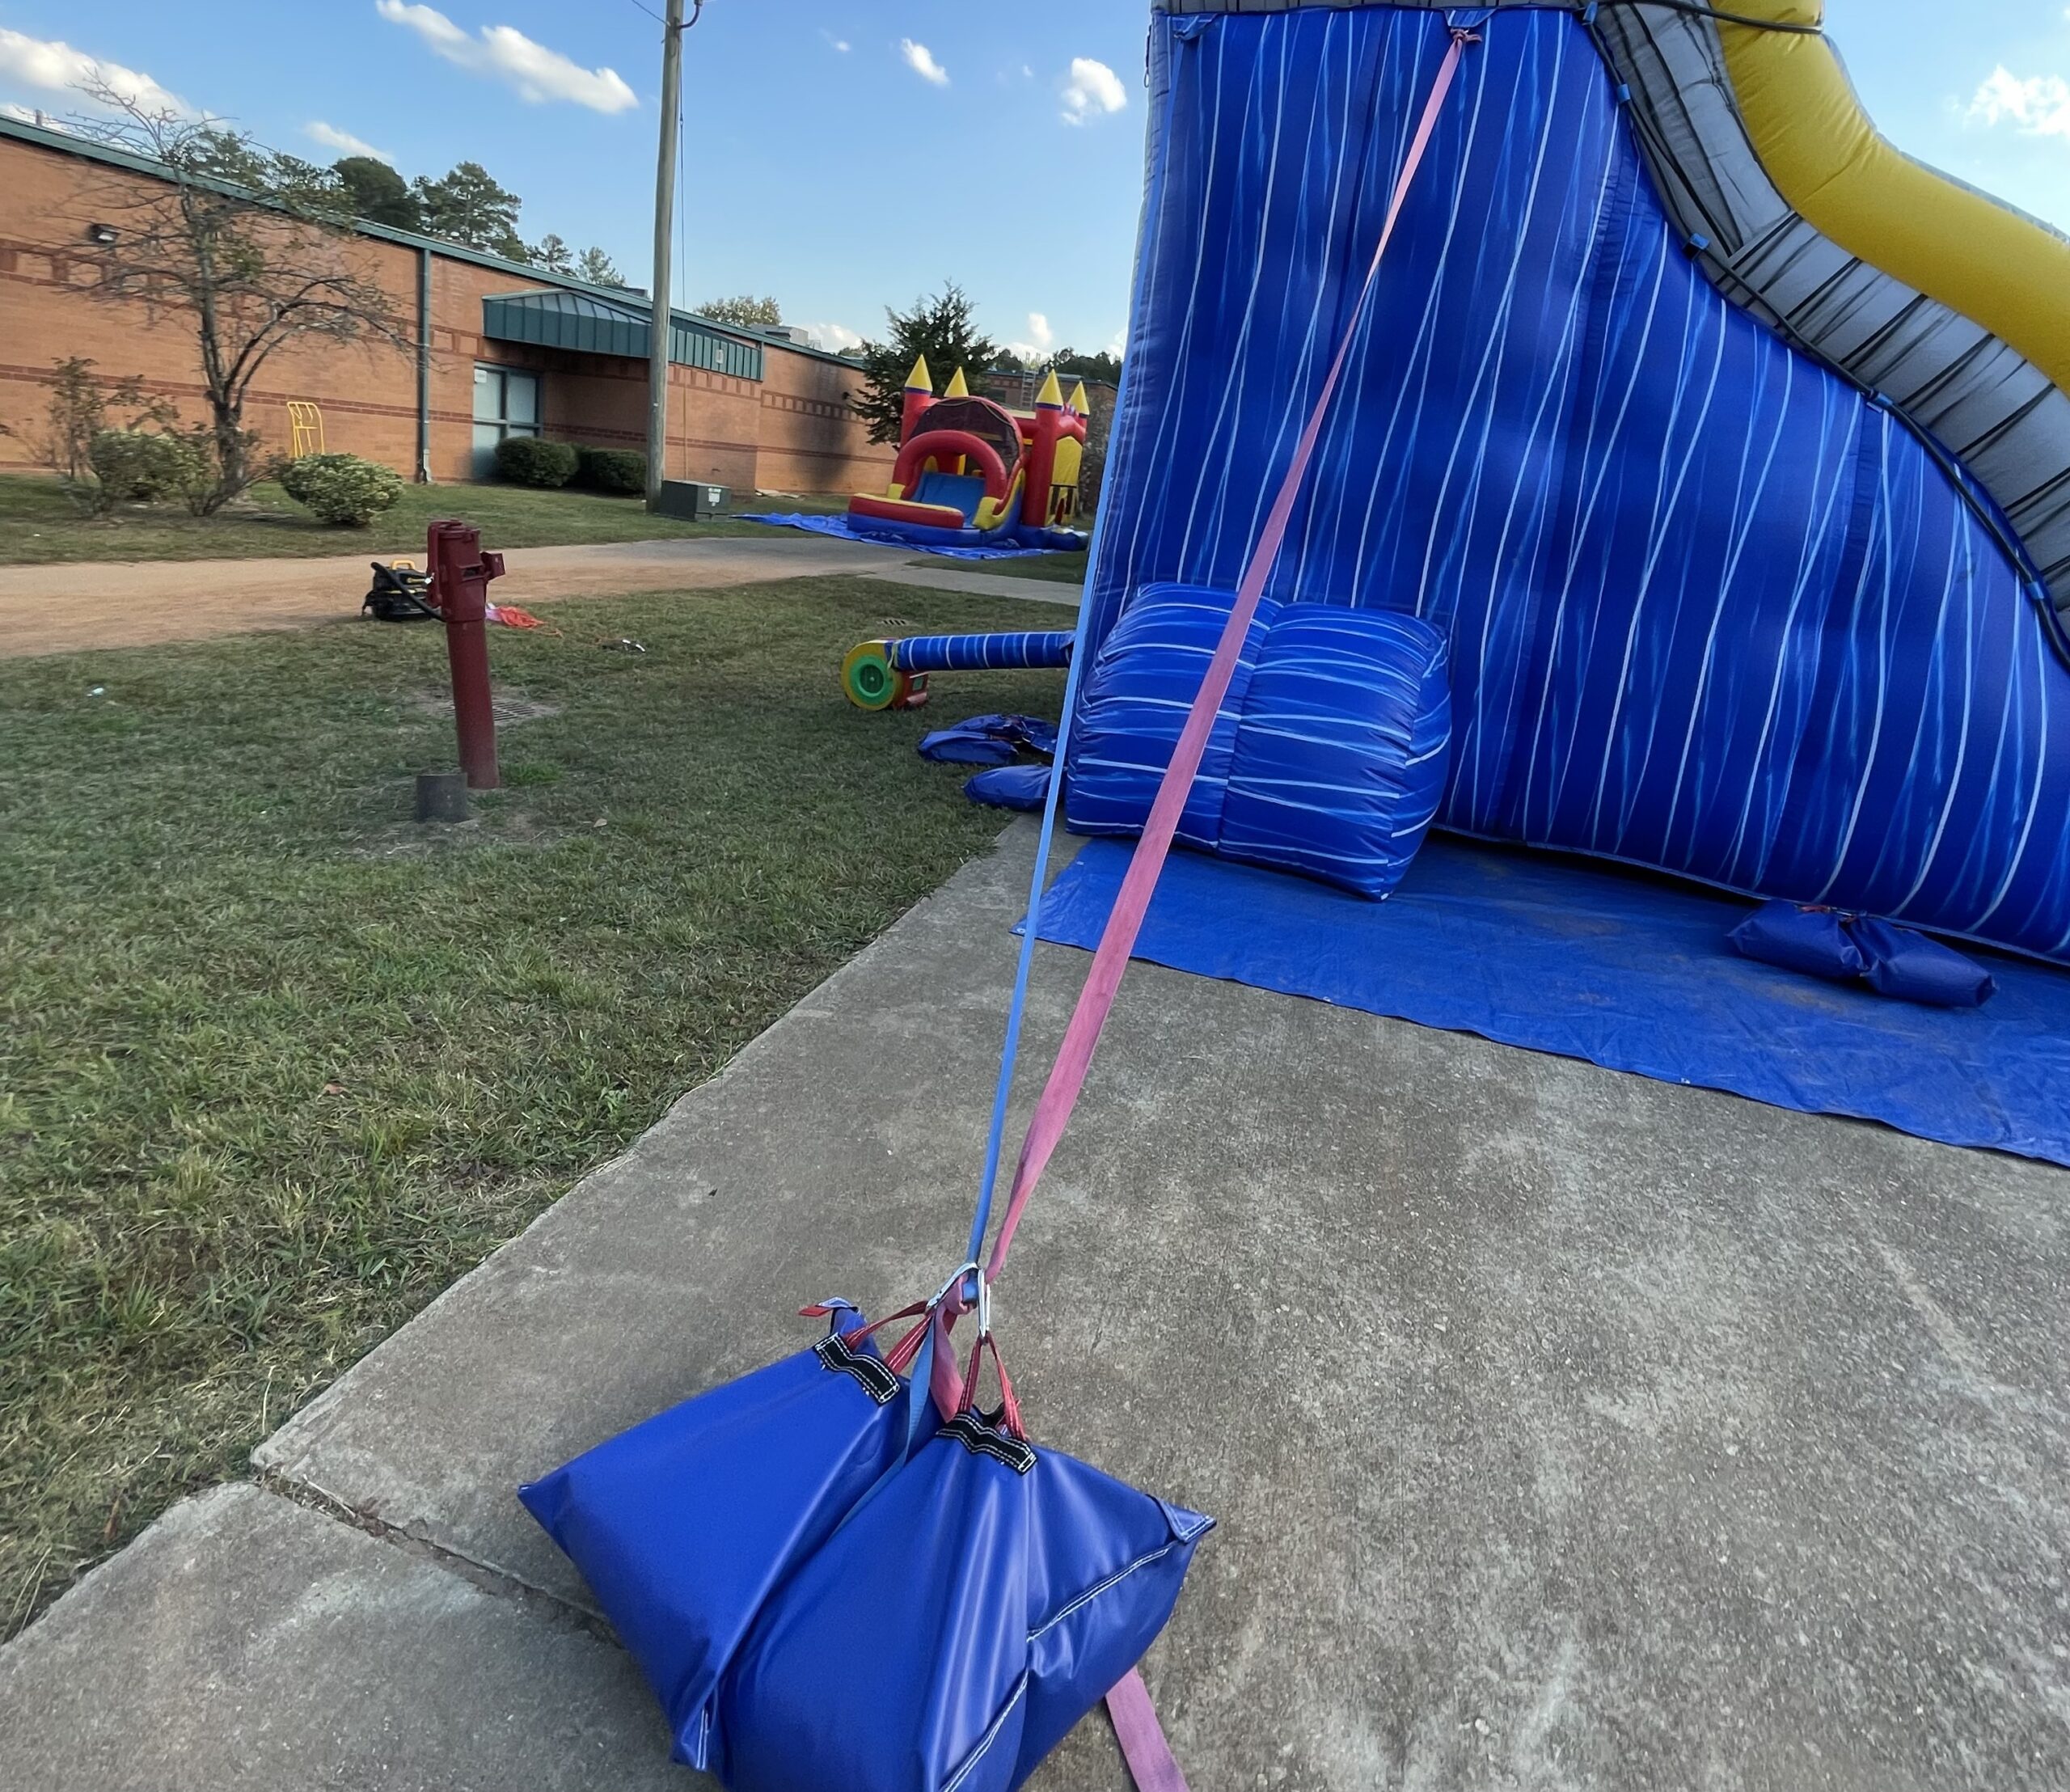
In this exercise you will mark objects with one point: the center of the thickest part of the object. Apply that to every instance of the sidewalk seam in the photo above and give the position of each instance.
(497, 1581)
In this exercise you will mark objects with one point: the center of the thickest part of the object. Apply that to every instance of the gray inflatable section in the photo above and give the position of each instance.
(1979, 398)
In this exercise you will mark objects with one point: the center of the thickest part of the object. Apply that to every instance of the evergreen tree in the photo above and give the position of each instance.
(377, 193)
(468, 206)
(744, 312)
(1070, 365)
(553, 254)
(595, 266)
(944, 329)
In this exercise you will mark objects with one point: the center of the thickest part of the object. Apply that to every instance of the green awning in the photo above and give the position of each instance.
(589, 325)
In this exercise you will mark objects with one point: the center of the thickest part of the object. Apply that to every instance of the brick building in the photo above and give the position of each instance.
(502, 348)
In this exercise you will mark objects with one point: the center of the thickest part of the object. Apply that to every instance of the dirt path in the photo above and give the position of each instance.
(62, 609)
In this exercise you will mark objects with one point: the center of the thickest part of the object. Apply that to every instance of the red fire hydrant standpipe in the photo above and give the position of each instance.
(460, 573)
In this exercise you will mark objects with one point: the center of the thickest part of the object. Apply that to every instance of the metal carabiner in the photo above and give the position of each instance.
(962, 1270)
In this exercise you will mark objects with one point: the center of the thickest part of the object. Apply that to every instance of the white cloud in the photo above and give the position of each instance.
(1092, 91)
(833, 337)
(58, 67)
(1042, 339)
(506, 54)
(343, 142)
(921, 60)
(2038, 105)
(841, 45)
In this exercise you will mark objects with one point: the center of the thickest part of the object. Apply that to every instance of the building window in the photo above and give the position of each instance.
(506, 403)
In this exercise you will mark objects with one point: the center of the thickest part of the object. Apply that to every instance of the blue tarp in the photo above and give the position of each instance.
(847, 528)
(1620, 969)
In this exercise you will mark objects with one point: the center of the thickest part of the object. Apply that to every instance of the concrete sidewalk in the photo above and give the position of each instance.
(1566, 1428)
(136, 603)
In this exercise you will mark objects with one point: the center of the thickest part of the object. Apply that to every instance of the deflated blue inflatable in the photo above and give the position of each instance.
(1025, 787)
(989, 739)
(1327, 756)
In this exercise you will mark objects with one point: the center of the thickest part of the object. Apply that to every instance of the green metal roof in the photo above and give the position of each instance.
(593, 325)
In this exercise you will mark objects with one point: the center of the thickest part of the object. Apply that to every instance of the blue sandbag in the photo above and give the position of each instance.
(1342, 751)
(1813, 941)
(683, 1525)
(1025, 787)
(957, 1626)
(1906, 964)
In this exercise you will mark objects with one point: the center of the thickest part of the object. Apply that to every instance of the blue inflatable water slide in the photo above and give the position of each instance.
(1718, 601)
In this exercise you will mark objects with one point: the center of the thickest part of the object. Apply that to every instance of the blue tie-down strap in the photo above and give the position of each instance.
(683, 1525)
(955, 1630)
(1025, 787)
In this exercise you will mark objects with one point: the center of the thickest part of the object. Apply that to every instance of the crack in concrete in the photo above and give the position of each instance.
(499, 1582)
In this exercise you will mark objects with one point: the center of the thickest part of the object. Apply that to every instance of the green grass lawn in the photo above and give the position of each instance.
(39, 525)
(1060, 569)
(276, 1064)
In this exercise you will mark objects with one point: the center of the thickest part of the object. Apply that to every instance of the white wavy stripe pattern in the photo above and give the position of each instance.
(1710, 609)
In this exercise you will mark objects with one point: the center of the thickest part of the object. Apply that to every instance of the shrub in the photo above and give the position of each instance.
(342, 489)
(145, 464)
(527, 460)
(620, 470)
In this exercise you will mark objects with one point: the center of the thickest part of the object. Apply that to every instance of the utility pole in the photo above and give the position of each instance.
(660, 317)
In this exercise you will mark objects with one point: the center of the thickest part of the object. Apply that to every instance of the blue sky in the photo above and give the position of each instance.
(845, 154)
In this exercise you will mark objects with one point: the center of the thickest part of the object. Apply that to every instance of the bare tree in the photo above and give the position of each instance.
(255, 249)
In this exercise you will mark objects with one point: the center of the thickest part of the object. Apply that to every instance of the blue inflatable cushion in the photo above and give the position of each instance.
(1342, 750)
(1134, 705)
(1329, 755)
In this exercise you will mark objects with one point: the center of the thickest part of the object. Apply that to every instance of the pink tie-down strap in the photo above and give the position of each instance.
(1150, 1760)
(1149, 1757)
(1095, 1001)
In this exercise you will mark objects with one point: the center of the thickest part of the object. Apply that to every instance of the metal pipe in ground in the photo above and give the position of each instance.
(460, 573)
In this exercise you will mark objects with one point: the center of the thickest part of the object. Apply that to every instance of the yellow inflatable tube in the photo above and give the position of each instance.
(1827, 160)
